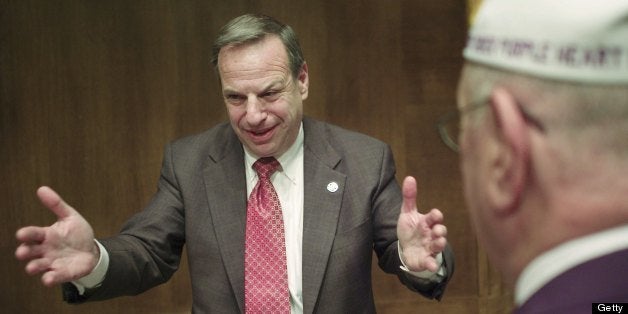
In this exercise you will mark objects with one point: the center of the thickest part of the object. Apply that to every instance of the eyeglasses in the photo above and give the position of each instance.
(449, 124)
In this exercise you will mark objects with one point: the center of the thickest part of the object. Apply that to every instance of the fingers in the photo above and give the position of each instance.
(43, 265)
(28, 251)
(409, 195)
(50, 277)
(439, 231)
(37, 266)
(43, 247)
(31, 234)
(438, 245)
(434, 217)
(431, 264)
(53, 201)
(438, 234)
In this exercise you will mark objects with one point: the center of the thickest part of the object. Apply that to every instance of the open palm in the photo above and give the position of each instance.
(62, 252)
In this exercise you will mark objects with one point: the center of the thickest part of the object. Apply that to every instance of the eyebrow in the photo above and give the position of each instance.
(269, 86)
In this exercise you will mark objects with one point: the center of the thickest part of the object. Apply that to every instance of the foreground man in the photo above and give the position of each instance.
(543, 110)
(279, 213)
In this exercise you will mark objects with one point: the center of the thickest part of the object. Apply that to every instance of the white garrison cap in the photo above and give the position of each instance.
(573, 40)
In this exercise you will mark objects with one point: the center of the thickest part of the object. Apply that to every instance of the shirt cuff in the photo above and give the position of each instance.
(426, 274)
(96, 277)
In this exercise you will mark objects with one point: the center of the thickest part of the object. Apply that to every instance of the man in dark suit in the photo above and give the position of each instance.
(543, 118)
(336, 189)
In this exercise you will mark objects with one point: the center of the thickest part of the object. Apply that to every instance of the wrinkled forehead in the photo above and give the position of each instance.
(253, 59)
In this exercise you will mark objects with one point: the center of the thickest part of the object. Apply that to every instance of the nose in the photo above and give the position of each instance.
(255, 111)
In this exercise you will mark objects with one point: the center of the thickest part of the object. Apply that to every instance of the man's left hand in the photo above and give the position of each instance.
(421, 237)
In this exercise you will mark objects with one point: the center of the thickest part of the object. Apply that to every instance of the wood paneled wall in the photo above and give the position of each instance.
(90, 91)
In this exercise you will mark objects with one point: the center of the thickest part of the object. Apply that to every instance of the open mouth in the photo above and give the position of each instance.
(261, 135)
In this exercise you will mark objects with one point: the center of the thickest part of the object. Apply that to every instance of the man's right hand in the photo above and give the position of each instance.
(62, 252)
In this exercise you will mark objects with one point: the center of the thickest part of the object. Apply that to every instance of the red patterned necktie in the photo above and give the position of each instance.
(265, 270)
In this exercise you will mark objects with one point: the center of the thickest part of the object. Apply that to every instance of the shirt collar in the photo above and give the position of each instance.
(286, 160)
(554, 262)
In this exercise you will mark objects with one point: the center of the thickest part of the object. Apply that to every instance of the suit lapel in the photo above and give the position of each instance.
(225, 183)
(324, 188)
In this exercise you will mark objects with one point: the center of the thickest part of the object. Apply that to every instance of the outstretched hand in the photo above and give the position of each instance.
(62, 252)
(421, 237)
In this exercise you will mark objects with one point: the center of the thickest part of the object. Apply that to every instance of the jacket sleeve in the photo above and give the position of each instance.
(148, 249)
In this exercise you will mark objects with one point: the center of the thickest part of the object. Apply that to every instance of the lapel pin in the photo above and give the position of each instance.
(332, 186)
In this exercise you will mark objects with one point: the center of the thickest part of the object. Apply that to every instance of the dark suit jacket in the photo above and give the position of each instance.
(601, 280)
(201, 202)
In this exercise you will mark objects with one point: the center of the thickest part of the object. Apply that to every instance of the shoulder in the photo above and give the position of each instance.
(338, 136)
(215, 142)
(323, 138)
(218, 132)
(350, 150)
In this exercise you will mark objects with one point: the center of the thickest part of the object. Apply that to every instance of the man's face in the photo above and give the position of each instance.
(264, 101)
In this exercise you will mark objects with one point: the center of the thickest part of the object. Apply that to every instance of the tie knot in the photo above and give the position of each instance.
(266, 166)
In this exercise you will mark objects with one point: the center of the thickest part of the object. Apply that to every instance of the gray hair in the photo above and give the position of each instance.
(250, 28)
(573, 109)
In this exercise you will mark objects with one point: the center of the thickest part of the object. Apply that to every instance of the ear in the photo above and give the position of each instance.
(510, 166)
(303, 81)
